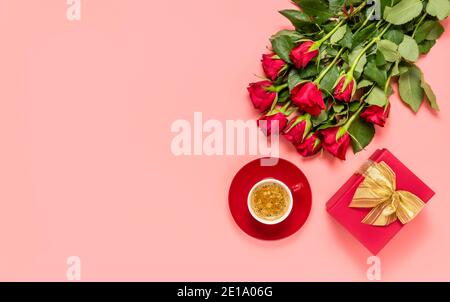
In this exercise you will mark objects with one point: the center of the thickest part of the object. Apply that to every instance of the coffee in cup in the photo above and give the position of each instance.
(270, 201)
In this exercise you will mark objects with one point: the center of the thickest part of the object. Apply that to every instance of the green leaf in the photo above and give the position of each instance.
(338, 107)
(294, 79)
(435, 32)
(283, 96)
(364, 83)
(372, 72)
(394, 35)
(410, 86)
(402, 69)
(379, 59)
(426, 46)
(282, 46)
(298, 19)
(329, 26)
(364, 35)
(336, 5)
(429, 30)
(296, 76)
(329, 51)
(354, 106)
(339, 34)
(294, 35)
(395, 70)
(346, 41)
(385, 3)
(362, 134)
(403, 12)
(409, 49)
(389, 50)
(431, 97)
(439, 8)
(377, 97)
(308, 72)
(330, 79)
(322, 117)
(315, 8)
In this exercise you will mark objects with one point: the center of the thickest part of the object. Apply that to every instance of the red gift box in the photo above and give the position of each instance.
(374, 238)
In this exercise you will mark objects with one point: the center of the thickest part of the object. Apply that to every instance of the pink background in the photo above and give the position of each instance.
(86, 167)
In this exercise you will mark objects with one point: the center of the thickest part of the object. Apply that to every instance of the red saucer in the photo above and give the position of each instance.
(254, 172)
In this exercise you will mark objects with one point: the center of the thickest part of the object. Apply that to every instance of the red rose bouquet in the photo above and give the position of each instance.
(329, 79)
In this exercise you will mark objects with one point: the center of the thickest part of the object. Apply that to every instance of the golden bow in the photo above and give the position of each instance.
(379, 191)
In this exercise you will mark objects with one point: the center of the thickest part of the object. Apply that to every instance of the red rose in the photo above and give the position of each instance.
(302, 55)
(261, 98)
(272, 66)
(297, 129)
(308, 97)
(376, 114)
(310, 146)
(336, 146)
(270, 122)
(344, 90)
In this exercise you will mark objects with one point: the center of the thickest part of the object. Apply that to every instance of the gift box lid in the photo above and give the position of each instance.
(374, 238)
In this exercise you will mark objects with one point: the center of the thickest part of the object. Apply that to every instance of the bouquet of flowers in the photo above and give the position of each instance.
(328, 81)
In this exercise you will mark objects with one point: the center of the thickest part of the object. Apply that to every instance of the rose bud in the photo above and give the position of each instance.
(310, 145)
(376, 115)
(344, 89)
(268, 122)
(335, 142)
(297, 129)
(272, 66)
(302, 54)
(308, 97)
(261, 97)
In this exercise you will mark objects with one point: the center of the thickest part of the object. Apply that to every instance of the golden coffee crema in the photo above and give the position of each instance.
(270, 201)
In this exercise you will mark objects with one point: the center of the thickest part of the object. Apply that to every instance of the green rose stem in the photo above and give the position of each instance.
(379, 23)
(386, 87)
(358, 9)
(290, 111)
(344, 129)
(281, 87)
(365, 21)
(419, 23)
(325, 71)
(319, 43)
(276, 89)
(360, 55)
(274, 104)
(285, 107)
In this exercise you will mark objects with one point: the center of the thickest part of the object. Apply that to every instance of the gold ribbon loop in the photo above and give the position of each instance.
(379, 192)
